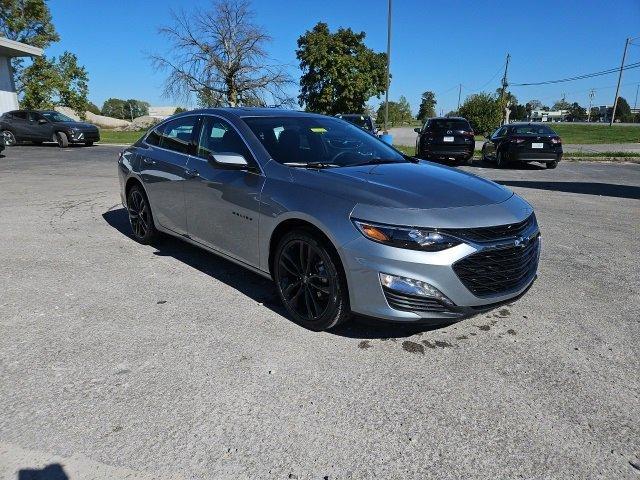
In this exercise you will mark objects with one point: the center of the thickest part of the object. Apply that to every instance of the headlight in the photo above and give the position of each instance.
(425, 239)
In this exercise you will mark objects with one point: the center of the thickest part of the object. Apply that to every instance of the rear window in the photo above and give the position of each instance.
(532, 130)
(447, 124)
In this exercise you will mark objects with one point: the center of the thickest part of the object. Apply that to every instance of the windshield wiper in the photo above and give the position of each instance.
(376, 161)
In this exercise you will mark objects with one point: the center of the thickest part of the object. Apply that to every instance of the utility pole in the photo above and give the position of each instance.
(635, 103)
(615, 102)
(504, 83)
(386, 96)
(592, 92)
(460, 93)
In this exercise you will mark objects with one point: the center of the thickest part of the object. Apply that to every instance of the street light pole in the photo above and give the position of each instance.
(386, 96)
(615, 102)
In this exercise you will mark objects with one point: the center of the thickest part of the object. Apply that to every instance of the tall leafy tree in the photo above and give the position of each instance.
(51, 82)
(399, 112)
(623, 110)
(427, 106)
(576, 112)
(561, 104)
(218, 55)
(125, 109)
(26, 21)
(483, 111)
(339, 72)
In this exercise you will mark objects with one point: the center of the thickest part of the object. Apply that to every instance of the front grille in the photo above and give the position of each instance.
(500, 270)
(493, 234)
(412, 303)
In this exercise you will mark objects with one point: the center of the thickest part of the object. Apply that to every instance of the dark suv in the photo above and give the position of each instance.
(361, 120)
(523, 142)
(45, 126)
(445, 138)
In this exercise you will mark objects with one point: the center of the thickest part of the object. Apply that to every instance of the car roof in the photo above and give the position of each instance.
(448, 118)
(522, 124)
(243, 112)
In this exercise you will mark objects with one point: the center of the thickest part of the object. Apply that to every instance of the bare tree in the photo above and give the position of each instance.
(218, 54)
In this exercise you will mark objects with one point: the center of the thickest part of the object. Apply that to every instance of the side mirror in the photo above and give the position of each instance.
(42, 121)
(229, 160)
(417, 129)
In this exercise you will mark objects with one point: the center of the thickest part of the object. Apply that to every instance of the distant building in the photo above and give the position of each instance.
(548, 115)
(601, 113)
(161, 112)
(10, 49)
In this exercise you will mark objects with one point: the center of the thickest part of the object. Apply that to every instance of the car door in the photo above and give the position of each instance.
(18, 124)
(491, 147)
(163, 168)
(39, 127)
(223, 203)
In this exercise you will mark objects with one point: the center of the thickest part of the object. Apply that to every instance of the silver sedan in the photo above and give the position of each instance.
(342, 222)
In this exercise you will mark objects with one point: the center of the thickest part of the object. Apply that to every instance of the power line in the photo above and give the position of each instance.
(579, 77)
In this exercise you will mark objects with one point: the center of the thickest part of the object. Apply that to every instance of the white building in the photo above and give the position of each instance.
(548, 116)
(8, 50)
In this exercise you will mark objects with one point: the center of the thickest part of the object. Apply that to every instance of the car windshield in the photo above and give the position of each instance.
(449, 124)
(533, 130)
(56, 117)
(326, 141)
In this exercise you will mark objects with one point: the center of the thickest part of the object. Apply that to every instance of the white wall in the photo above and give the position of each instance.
(8, 97)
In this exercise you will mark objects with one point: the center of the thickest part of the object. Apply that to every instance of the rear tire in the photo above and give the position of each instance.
(61, 139)
(310, 281)
(552, 165)
(140, 216)
(88, 144)
(37, 142)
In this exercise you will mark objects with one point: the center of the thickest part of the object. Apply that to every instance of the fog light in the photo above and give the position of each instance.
(410, 286)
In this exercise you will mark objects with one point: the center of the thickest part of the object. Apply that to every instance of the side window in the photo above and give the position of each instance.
(177, 134)
(34, 116)
(154, 136)
(19, 115)
(217, 136)
(500, 132)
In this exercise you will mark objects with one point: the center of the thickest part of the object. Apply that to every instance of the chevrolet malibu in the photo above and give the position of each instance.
(342, 222)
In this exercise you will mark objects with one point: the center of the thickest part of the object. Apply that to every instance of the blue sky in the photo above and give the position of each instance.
(436, 45)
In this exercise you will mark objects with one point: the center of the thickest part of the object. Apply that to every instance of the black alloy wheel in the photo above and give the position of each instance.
(552, 165)
(309, 282)
(140, 216)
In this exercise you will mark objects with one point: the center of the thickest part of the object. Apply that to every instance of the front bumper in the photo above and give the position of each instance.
(364, 260)
(83, 136)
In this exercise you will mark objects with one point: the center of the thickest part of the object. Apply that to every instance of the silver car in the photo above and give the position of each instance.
(340, 221)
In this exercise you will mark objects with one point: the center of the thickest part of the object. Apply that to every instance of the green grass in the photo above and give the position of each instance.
(113, 136)
(596, 133)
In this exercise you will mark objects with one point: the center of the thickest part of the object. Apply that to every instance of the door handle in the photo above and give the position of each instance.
(192, 173)
(148, 161)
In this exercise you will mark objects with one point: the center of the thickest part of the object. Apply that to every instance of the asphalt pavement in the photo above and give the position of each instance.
(119, 360)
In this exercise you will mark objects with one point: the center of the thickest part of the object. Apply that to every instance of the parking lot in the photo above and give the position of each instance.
(132, 361)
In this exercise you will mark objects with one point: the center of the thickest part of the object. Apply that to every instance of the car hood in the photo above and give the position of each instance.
(79, 125)
(409, 185)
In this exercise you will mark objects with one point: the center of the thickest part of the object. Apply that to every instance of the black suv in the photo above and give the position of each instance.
(361, 120)
(45, 126)
(523, 142)
(445, 138)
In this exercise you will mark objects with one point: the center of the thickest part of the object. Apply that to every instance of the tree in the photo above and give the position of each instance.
(623, 111)
(561, 104)
(518, 112)
(427, 106)
(93, 108)
(576, 112)
(339, 72)
(218, 55)
(26, 21)
(179, 110)
(125, 109)
(399, 112)
(51, 82)
(483, 112)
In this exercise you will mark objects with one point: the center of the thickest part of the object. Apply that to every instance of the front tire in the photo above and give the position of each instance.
(9, 138)
(61, 139)
(310, 281)
(88, 144)
(140, 216)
